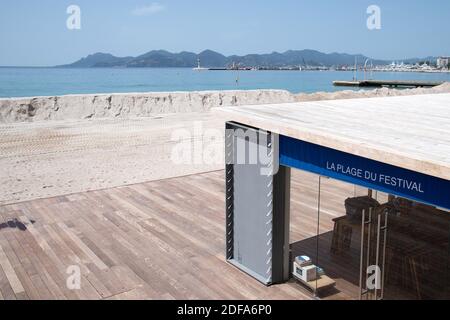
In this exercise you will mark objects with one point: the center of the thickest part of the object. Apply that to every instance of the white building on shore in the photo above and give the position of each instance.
(442, 62)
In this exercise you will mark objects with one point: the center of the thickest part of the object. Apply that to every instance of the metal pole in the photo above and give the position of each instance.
(377, 253)
(361, 259)
(385, 228)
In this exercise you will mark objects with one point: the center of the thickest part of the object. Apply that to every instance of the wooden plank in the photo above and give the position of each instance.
(10, 273)
(6, 290)
(88, 252)
(37, 244)
(21, 269)
(42, 281)
(73, 256)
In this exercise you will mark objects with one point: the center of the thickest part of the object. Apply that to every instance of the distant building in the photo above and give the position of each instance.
(442, 62)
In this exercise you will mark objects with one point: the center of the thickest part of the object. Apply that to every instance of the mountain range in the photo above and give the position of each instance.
(211, 59)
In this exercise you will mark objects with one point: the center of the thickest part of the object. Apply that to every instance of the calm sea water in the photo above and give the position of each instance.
(29, 82)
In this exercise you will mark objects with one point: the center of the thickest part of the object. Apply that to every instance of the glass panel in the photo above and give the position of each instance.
(417, 251)
(340, 238)
(367, 244)
(303, 226)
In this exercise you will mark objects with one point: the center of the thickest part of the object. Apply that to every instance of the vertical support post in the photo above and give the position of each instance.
(229, 190)
(257, 205)
(281, 212)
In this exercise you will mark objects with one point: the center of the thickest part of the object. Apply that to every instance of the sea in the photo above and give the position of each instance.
(32, 82)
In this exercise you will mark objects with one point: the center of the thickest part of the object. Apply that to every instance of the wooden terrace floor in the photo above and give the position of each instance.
(156, 240)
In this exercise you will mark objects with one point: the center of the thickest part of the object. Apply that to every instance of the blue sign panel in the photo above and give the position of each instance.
(364, 172)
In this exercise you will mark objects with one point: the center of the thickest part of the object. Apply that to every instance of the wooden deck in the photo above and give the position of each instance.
(157, 240)
(165, 240)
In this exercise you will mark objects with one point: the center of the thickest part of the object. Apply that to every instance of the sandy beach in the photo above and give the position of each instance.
(49, 148)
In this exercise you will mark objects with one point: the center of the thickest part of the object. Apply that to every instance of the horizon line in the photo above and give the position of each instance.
(227, 56)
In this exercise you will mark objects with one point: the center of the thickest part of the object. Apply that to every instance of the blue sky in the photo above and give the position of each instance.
(34, 33)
